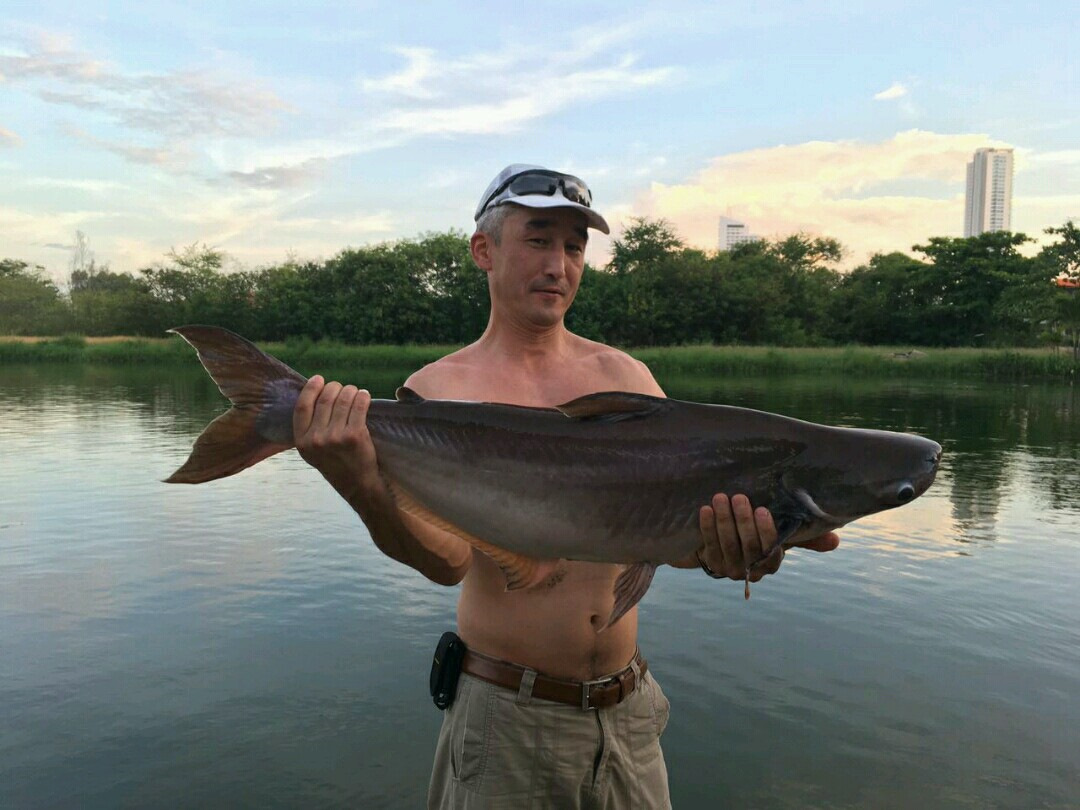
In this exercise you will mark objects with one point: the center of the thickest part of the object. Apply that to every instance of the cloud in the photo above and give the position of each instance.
(179, 104)
(858, 192)
(131, 152)
(9, 138)
(495, 92)
(1061, 157)
(895, 90)
(360, 224)
(409, 80)
(278, 177)
(482, 92)
(71, 183)
(30, 228)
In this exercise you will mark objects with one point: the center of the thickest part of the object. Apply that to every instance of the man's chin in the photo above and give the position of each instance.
(547, 317)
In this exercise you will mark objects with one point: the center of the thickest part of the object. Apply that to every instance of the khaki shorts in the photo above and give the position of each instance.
(502, 749)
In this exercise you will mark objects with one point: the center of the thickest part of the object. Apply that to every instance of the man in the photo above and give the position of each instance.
(526, 728)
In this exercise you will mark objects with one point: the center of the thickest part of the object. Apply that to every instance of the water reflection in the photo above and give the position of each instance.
(247, 632)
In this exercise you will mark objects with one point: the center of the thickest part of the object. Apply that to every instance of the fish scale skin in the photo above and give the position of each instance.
(604, 496)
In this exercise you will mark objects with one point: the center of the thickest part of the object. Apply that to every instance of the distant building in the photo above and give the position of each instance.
(732, 233)
(988, 204)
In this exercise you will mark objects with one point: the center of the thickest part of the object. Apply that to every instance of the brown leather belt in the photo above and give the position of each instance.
(596, 694)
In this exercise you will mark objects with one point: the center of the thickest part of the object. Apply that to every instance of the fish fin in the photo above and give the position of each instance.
(787, 524)
(262, 390)
(629, 588)
(520, 571)
(406, 394)
(612, 406)
(244, 373)
(226, 446)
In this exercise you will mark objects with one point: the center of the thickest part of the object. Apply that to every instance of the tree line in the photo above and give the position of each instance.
(655, 291)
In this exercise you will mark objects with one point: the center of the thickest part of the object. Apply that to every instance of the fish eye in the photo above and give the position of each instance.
(905, 493)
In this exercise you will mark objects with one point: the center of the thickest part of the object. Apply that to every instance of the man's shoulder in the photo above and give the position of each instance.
(441, 378)
(618, 370)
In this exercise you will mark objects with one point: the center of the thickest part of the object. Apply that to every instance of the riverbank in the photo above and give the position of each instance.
(308, 356)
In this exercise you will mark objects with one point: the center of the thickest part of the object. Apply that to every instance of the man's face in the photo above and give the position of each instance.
(535, 270)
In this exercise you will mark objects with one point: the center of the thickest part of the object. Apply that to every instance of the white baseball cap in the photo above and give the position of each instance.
(537, 187)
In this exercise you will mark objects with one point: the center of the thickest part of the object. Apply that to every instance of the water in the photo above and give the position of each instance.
(243, 643)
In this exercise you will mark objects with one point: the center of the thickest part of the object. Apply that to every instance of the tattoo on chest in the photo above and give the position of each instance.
(558, 576)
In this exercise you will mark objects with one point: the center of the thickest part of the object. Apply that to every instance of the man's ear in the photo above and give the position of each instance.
(480, 247)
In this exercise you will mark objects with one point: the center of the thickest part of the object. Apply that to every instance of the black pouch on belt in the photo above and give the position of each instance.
(445, 669)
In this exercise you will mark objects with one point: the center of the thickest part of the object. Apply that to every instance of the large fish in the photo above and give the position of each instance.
(610, 477)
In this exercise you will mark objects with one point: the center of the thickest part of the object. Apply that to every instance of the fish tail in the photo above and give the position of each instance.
(263, 392)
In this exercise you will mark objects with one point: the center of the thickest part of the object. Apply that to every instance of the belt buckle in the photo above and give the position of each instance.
(588, 685)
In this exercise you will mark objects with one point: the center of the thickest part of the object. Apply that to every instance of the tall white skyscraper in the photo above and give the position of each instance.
(988, 205)
(732, 233)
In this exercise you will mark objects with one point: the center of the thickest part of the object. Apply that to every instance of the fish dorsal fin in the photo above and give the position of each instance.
(406, 394)
(612, 406)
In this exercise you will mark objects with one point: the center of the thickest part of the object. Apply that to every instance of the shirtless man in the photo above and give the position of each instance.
(506, 745)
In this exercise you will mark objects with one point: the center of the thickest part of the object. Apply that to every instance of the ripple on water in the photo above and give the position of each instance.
(248, 631)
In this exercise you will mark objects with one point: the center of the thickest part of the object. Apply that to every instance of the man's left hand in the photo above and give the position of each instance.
(735, 535)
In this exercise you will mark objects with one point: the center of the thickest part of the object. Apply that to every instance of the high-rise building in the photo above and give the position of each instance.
(732, 233)
(988, 205)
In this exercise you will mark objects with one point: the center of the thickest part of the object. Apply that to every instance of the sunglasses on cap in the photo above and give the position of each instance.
(541, 182)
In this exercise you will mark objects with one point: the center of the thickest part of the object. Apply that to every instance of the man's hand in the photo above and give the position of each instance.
(735, 535)
(330, 429)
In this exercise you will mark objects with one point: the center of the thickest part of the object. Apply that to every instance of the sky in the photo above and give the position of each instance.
(274, 131)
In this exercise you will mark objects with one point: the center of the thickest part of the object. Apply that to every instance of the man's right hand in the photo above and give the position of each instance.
(330, 429)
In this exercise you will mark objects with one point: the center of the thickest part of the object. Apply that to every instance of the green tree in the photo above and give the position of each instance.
(967, 290)
(879, 302)
(193, 289)
(30, 304)
(1063, 261)
(644, 242)
(107, 303)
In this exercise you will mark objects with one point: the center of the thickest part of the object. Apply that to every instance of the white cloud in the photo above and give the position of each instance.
(9, 138)
(182, 104)
(497, 92)
(90, 186)
(286, 176)
(410, 79)
(895, 90)
(478, 93)
(851, 190)
(135, 153)
(1061, 157)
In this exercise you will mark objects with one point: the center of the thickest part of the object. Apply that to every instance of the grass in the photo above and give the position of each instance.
(308, 356)
(871, 361)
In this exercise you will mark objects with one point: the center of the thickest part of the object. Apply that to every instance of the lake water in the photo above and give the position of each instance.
(243, 643)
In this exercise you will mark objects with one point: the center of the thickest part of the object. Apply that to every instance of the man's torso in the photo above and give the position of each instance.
(551, 627)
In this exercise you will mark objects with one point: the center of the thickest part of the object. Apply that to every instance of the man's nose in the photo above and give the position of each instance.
(556, 264)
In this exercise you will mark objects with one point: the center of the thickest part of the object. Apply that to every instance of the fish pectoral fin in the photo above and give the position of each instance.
(520, 571)
(629, 588)
(613, 406)
(406, 394)
(787, 523)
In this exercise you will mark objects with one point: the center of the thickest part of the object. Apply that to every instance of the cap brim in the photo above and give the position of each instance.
(558, 201)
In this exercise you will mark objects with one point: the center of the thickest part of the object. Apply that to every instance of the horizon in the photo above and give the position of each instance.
(270, 131)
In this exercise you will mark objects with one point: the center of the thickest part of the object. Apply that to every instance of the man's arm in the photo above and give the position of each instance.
(330, 427)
